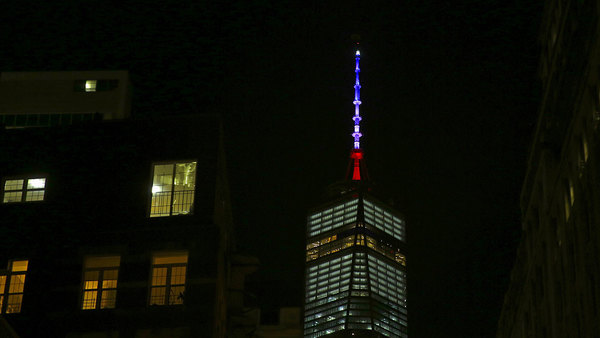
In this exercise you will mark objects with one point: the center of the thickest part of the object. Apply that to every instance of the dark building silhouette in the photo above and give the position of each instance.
(118, 229)
(355, 278)
(554, 288)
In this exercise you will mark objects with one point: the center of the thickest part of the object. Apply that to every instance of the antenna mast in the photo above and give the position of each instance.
(356, 134)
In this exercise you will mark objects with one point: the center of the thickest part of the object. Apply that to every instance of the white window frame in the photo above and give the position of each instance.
(25, 190)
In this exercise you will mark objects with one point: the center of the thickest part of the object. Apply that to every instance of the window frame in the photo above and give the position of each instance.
(168, 285)
(5, 293)
(99, 290)
(24, 188)
(151, 185)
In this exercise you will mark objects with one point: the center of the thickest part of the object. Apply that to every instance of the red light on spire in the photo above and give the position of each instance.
(356, 172)
(356, 156)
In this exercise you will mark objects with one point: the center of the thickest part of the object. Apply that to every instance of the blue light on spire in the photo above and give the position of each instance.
(356, 134)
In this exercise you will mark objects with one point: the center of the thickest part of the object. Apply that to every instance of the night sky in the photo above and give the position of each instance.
(450, 98)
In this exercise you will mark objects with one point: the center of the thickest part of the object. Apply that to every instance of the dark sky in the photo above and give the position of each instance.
(449, 97)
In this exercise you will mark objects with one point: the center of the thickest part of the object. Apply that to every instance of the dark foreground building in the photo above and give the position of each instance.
(355, 282)
(555, 284)
(117, 229)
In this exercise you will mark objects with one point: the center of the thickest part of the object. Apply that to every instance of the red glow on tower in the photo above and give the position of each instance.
(356, 156)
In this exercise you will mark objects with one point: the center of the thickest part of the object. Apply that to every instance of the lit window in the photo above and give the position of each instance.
(100, 276)
(584, 149)
(90, 85)
(173, 188)
(569, 197)
(11, 287)
(168, 278)
(24, 190)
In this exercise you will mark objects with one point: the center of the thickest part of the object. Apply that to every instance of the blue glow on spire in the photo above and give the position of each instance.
(357, 134)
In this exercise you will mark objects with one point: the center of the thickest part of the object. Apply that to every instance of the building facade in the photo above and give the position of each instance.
(554, 289)
(355, 278)
(118, 229)
(42, 99)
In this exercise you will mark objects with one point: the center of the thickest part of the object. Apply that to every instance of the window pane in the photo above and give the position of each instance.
(163, 178)
(36, 183)
(91, 275)
(90, 85)
(159, 276)
(89, 300)
(157, 296)
(90, 285)
(35, 195)
(185, 176)
(182, 202)
(162, 185)
(110, 275)
(176, 295)
(173, 258)
(18, 266)
(178, 275)
(109, 283)
(2, 284)
(13, 185)
(17, 282)
(13, 197)
(14, 303)
(108, 300)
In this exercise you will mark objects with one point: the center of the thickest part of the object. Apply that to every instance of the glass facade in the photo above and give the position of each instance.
(332, 218)
(382, 219)
(356, 269)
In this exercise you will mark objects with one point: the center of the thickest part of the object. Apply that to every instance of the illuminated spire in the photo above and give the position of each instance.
(357, 170)
(356, 134)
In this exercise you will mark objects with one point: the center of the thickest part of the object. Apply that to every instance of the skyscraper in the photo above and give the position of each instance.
(355, 281)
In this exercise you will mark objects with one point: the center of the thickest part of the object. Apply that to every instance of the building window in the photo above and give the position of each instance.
(173, 188)
(24, 190)
(100, 276)
(12, 284)
(569, 198)
(168, 278)
(90, 85)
